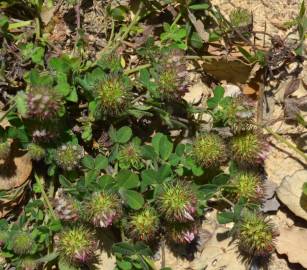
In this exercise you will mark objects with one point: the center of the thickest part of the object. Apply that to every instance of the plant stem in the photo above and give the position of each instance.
(13, 107)
(136, 69)
(163, 253)
(290, 145)
(37, 28)
(227, 201)
(112, 34)
(45, 197)
(128, 29)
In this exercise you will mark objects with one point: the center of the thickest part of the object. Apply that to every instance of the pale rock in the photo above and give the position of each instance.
(232, 90)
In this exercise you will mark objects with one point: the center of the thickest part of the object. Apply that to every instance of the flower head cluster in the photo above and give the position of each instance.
(177, 203)
(103, 209)
(248, 185)
(113, 94)
(29, 263)
(43, 102)
(66, 208)
(36, 152)
(209, 150)
(143, 225)
(130, 156)
(248, 147)
(68, 156)
(182, 233)
(22, 243)
(5, 149)
(256, 235)
(76, 245)
(172, 81)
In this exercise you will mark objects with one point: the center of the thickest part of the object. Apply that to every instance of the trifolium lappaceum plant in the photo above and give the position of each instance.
(249, 147)
(256, 234)
(66, 207)
(209, 150)
(22, 243)
(247, 185)
(36, 152)
(76, 245)
(129, 156)
(143, 225)
(68, 156)
(177, 202)
(43, 102)
(103, 209)
(172, 76)
(113, 94)
(240, 17)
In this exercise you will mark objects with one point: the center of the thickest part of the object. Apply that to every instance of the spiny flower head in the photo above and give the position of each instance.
(177, 202)
(209, 150)
(66, 208)
(172, 78)
(143, 225)
(113, 94)
(130, 156)
(29, 263)
(182, 233)
(68, 156)
(76, 245)
(248, 185)
(256, 234)
(22, 243)
(36, 152)
(5, 149)
(240, 17)
(248, 147)
(43, 102)
(103, 209)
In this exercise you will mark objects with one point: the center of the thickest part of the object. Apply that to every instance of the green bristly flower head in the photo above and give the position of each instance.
(248, 185)
(5, 149)
(256, 235)
(68, 156)
(248, 147)
(182, 233)
(130, 156)
(22, 243)
(143, 225)
(113, 94)
(36, 152)
(177, 203)
(29, 263)
(240, 17)
(209, 150)
(103, 209)
(77, 245)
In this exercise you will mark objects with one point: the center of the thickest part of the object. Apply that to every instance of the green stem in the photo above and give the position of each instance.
(45, 197)
(128, 29)
(176, 20)
(112, 34)
(136, 69)
(16, 25)
(37, 28)
(282, 140)
(13, 107)
(226, 200)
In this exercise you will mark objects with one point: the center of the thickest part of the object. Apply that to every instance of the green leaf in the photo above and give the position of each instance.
(225, 217)
(164, 172)
(65, 183)
(220, 179)
(156, 142)
(165, 147)
(21, 103)
(148, 152)
(197, 171)
(124, 265)
(127, 179)
(63, 87)
(88, 162)
(73, 96)
(196, 41)
(149, 177)
(106, 181)
(218, 95)
(123, 135)
(134, 199)
(101, 162)
(305, 189)
(199, 6)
